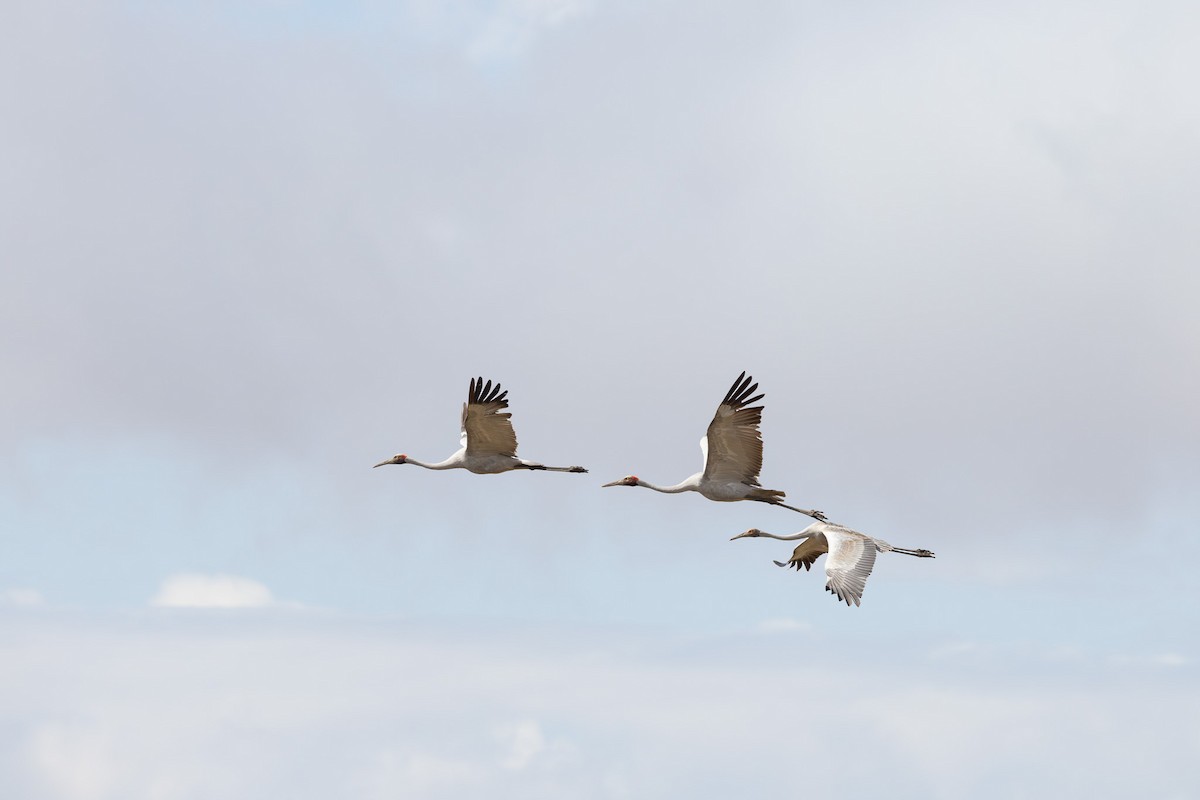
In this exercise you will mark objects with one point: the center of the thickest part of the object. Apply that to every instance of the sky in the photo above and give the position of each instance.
(250, 249)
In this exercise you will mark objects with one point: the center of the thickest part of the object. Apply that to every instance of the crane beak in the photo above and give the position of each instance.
(381, 463)
(614, 483)
(740, 535)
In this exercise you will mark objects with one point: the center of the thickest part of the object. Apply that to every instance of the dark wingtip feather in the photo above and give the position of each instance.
(481, 392)
(739, 395)
(736, 388)
(741, 391)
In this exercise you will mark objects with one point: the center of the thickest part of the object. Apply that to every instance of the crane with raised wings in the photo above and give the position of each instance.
(489, 443)
(732, 449)
(851, 555)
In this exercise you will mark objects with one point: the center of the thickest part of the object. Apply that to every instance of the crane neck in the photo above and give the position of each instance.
(676, 489)
(449, 463)
(807, 533)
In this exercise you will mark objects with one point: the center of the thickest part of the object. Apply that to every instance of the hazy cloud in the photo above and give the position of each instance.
(21, 597)
(958, 260)
(395, 773)
(251, 248)
(308, 706)
(74, 762)
(783, 625)
(524, 742)
(1168, 660)
(211, 591)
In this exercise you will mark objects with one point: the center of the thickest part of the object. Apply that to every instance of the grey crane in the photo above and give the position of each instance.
(851, 555)
(732, 449)
(489, 443)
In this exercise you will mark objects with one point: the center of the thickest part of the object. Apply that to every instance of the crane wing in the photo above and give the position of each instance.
(733, 445)
(806, 553)
(851, 557)
(486, 427)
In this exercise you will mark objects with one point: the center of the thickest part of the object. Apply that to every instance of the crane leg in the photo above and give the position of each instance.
(817, 515)
(917, 553)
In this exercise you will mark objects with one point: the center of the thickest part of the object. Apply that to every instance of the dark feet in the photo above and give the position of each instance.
(576, 469)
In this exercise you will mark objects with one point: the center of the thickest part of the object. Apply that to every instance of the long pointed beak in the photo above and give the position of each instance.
(381, 463)
(740, 535)
(614, 483)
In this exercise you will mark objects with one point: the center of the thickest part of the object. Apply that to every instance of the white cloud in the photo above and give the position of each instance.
(397, 709)
(1152, 659)
(524, 741)
(979, 226)
(212, 591)
(954, 650)
(18, 596)
(514, 25)
(782, 625)
(404, 772)
(77, 763)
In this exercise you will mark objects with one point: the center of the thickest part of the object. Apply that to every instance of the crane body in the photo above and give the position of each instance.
(851, 555)
(488, 441)
(732, 452)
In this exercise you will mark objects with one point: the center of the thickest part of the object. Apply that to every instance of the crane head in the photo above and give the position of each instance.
(751, 532)
(399, 458)
(628, 480)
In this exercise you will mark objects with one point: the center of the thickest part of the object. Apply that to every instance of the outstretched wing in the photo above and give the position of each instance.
(851, 557)
(486, 428)
(806, 553)
(733, 445)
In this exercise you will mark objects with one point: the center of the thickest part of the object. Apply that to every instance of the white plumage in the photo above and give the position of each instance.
(851, 555)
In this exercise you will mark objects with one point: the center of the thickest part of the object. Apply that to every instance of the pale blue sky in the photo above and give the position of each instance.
(249, 250)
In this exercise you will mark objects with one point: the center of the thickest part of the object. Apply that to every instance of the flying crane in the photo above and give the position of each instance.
(851, 555)
(732, 450)
(489, 443)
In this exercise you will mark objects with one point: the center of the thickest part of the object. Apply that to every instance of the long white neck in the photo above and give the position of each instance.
(686, 486)
(807, 533)
(449, 463)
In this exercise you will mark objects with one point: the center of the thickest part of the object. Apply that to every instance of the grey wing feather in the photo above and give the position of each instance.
(806, 553)
(735, 446)
(851, 558)
(486, 427)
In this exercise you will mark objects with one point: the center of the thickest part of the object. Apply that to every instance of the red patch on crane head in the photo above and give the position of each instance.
(632, 479)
